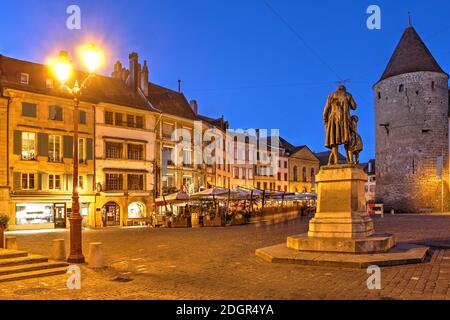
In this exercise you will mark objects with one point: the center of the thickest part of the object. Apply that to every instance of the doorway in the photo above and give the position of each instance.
(111, 214)
(60, 215)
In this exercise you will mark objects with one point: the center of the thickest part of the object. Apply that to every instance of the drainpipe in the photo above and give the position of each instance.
(7, 141)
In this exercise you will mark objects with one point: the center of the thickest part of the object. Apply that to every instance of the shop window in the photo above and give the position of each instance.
(34, 213)
(28, 146)
(136, 210)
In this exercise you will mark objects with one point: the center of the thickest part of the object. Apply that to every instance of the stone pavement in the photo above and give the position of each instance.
(220, 263)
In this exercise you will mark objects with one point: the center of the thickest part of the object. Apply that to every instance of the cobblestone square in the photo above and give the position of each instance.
(220, 263)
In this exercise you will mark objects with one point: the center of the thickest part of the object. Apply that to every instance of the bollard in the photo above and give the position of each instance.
(58, 249)
(11, 242)
(95, 258)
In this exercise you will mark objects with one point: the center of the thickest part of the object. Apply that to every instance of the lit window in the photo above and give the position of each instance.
(113, 150)
(109, 116)
(118, 119)
(135, 152)
(113, 181)
(54, 182)
(27, 181)
(54, 148)
(24, 78)
(28, 146)
(49, 83)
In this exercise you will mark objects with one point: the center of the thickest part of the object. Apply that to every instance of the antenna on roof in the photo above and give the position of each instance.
(409, 19)
(179, 86)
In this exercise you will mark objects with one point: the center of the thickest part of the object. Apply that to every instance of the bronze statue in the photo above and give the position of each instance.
(355, 145)
(338, 126)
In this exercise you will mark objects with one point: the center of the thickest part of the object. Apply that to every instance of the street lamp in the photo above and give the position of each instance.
(63, 69)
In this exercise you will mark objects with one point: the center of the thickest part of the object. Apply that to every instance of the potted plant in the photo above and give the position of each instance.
(3, 225)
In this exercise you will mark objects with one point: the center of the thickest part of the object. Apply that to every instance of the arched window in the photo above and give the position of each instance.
(304, 179)
(295, 173)
(136, 210)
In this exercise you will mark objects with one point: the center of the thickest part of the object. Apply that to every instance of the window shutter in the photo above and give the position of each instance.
(69, 182)
(17, 142)
(44, 181)
(89, 149)
(17, 179)
(39, 185)
(68, 147)
(90, 182)
(29, 109)
(43, 144)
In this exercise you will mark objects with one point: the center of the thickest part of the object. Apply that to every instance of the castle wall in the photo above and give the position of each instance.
(411, 121)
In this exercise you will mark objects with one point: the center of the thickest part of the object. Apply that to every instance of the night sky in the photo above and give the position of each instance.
(259, 65)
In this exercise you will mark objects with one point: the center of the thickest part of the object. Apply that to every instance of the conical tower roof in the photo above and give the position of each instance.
(411, 55)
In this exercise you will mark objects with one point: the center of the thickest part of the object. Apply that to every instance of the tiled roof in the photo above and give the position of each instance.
(100, 89)
(170, 102)
(411, 55)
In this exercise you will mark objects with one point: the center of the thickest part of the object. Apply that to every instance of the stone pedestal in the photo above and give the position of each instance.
(341, 232)
(341, 223)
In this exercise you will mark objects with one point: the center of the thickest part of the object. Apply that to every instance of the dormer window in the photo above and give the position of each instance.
(24, 78)
(49, 83)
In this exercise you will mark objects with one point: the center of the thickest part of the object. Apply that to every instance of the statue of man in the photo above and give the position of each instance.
(336, 117)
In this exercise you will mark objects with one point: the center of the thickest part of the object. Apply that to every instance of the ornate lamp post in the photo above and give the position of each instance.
(63, 69)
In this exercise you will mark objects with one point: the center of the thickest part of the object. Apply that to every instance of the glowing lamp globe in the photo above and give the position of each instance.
(63, 67)
(91, 57)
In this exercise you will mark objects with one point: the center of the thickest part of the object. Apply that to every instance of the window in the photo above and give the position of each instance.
(24, 78)
(118, 119)
(135, 151)
(54, 148)
(258, 185)
(49, 83)
(54, 182)
(250, 173)
(167, 130)
(82, 117)
(167, 154)
(139, 122)
(28, 146)
(113, 181)
(242, 171)
(82, 150)
(279, 176)
(304, 174)
(55, 113)
(401, 88)
(109, 116)
(130, 121)
(135, 182)
(113, 150)
(136, 210)
(313, 176)
(285, 164)
(27, 181)
(285, 177)
(187, 157)
(236, 173)
(29, 110)
(379, 95)
(168, 183)
(265, 185)
(295, 173)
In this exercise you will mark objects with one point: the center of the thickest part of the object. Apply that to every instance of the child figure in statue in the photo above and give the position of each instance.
(355, 145)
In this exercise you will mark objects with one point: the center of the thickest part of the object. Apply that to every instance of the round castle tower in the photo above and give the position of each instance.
(412, 123)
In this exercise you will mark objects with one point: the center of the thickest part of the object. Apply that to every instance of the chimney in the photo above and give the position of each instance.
(125, 74)
(144, 78)
(117, 74)
(194, 106)
(134, 71)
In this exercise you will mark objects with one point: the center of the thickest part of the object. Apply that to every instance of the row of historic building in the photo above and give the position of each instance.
(137, 141)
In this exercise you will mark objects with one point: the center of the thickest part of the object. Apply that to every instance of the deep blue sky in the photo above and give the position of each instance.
(236, 57)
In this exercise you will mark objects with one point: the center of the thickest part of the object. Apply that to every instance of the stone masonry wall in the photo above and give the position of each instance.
(411, 124)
